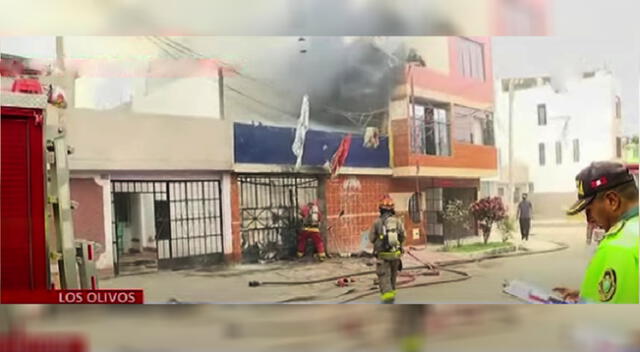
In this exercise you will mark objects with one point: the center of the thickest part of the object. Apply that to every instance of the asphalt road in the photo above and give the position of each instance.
(548, 270)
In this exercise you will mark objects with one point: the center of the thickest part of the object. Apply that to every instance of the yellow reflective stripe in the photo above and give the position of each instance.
(387, 296)
(412, 343)
(312, 229)
(390, 255)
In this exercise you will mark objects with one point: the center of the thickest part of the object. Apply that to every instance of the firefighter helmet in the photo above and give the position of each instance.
(386, 203)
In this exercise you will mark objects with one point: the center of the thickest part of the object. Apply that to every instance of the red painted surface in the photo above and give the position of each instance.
(23, 256)
(236, 237)
(20, 341)
(88, 217)
(92, 296)
(464, 156)
(455, 183)
(358, 197)
(26, 85)
(454, 83)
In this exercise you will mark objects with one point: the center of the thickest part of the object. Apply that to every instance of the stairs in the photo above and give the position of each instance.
(138, 263)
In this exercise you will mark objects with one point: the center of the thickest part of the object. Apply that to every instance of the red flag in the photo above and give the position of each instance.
(341, 154)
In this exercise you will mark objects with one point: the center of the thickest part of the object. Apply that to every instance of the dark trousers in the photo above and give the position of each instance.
(525, 225)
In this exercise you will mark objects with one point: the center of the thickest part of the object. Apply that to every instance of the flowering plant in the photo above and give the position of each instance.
(487, 211)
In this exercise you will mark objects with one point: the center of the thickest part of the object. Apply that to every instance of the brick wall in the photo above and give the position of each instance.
(464, 155)
(358, 197)
(401, 142)
(88, 218)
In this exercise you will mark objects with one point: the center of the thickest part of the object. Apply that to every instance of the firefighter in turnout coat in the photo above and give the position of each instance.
(311, 218)
(387, 235)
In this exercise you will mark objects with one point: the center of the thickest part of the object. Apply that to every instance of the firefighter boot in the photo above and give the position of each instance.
(388, 297)
(299, 254)
(321, 256)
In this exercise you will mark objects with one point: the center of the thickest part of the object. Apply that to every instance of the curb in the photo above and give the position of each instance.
(561, 247)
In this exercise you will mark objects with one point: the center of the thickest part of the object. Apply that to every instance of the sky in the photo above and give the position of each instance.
(512, 57)
(587, 34)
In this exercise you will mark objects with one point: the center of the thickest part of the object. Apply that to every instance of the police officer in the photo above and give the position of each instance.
(387, 235)
(608, 192)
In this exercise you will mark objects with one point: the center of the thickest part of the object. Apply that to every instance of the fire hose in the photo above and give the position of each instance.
(430, 266)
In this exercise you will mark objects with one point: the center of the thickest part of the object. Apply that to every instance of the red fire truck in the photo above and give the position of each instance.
(34, 187)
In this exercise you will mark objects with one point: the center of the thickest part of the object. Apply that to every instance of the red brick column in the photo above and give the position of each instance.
(236, 254)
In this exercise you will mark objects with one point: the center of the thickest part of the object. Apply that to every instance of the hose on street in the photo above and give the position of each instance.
(401, 285)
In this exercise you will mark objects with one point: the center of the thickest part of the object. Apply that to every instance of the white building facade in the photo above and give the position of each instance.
(558, 129)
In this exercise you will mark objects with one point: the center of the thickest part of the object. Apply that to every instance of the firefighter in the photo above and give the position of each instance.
(311, 217)
(608, 193)
(411, 326)
(387, 235)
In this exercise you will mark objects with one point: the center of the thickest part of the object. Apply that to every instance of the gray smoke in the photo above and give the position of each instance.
(346, 79)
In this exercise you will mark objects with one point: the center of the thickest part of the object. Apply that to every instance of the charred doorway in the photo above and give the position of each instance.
(269, 213)
(166, 224)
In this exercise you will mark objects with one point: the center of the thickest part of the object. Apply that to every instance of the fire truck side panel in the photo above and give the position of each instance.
(23, 255)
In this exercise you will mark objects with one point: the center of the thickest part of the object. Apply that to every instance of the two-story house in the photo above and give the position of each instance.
(441, 123)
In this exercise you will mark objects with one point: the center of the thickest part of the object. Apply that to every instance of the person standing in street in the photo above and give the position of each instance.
(387, 235)
(524, 216)
(608, 193)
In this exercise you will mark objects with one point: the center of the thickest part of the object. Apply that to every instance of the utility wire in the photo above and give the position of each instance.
(183, 49)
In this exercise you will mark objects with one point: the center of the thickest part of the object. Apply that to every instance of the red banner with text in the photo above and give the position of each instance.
(119, 296)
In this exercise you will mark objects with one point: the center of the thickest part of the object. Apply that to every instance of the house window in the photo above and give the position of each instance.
(618, 108)
(618, 147)
(531, 187)
(542, 115)
(541, 156)
(431, 131)
(501, 191)
(471, 59)
(576, 150)
(473, 126)
(558, 153)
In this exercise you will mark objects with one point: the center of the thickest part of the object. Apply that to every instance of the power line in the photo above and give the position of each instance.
(174, 45)
(183, 49)
(259, 101)
(151, 39)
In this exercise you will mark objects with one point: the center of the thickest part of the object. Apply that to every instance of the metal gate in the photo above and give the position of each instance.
(185, 218)
(269, 213)
(434, 206)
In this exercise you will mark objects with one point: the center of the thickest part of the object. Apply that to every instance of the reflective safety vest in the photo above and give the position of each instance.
(613, 273)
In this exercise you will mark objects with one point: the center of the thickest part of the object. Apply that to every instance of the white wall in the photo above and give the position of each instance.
(193, 96)
(116, 140)
(589, 103)
(148, 221)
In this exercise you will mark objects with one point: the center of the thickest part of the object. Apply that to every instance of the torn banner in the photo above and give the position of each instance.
(339, 158)
(301, 131)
